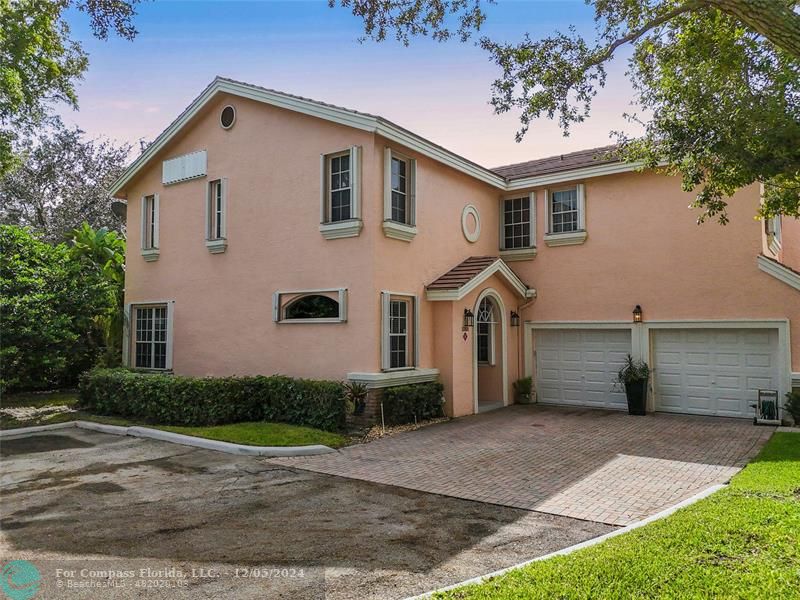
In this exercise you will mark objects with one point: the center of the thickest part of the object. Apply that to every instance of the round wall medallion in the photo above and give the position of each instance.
(471, 223)
(227, 117)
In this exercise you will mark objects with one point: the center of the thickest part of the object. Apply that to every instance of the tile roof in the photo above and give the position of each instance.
(556, 164)
(463, 273)
(779, 263)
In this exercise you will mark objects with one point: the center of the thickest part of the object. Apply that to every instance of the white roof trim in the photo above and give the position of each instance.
(497, 267)
(579, 173)
(778, 271)
(312, 108)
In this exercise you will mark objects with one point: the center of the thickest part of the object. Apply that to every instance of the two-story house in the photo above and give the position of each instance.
(270, 233)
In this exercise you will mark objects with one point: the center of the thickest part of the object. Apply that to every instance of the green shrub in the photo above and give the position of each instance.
(191, 401)
(401, 404)
(792, 406)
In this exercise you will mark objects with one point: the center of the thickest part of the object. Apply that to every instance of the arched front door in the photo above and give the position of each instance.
(489, 355)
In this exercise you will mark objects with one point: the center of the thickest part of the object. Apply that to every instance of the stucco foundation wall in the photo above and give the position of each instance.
(223, 303)
(643, 247)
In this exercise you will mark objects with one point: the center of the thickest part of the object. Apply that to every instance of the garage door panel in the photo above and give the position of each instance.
(577, 367)
(713, 371)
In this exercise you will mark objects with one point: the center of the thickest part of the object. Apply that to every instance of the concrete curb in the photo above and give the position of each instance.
(784, 429)
(592, 542)
(174, 438)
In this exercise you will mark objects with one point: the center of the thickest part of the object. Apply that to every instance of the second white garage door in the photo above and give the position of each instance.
(578, 366)
(714, 371)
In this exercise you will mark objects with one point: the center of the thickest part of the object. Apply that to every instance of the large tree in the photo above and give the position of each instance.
(719, 81)
(62, 181)
(40, 63)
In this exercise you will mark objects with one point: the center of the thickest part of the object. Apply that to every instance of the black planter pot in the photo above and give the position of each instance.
(636, 393)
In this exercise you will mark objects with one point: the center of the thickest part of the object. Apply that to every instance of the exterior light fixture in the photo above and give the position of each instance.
(514, 319)
(637, 314)
(469, 318)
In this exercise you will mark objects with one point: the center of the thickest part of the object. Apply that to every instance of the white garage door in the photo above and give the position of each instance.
(714, 371)
(578, 366)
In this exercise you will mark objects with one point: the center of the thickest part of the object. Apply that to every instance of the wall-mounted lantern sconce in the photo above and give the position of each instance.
(637, 314)
(469, 319)
(514, 319)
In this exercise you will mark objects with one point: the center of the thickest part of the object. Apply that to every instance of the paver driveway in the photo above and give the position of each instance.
(588, 464)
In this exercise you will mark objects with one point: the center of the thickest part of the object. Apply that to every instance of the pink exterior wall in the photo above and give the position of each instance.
(790, 243)
(643, 247)
(223, 303)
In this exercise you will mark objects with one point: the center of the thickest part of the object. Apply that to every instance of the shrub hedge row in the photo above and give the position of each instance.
(401, 404)
(176, 400)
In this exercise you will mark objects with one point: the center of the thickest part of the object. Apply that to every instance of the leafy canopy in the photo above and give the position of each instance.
(40, 63)
(719, 81)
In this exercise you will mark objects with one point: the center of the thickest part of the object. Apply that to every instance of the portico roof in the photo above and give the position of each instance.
(469, 274)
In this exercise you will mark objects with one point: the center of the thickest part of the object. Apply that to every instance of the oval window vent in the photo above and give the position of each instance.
(227, 117)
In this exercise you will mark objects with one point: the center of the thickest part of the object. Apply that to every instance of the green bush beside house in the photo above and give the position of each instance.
(189, 401)
(407, 403)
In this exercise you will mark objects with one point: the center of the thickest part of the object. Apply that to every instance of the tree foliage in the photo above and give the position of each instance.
(48, 305)
(40, 63)
(718, 79)
(61, 182)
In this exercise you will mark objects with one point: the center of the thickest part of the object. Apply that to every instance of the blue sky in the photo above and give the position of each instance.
(134, 89)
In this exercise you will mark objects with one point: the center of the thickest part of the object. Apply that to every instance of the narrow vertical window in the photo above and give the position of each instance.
(149, 224)
(339, 188)
(485, 336)
(216, 210)
(398, 334)
(151, 337)
(399, 191)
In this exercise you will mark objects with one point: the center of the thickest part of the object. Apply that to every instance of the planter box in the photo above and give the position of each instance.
(636, 392)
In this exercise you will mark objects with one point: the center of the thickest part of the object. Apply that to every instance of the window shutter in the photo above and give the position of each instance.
(412, 192)
(209, 233)
(170, 333)
(156, 218)
(126, 336)
(355, 182)
(323, 189)
(224, 216)
(415, 358)
(547, 226)
(143, 224)
(533, 219)
(387, 184)
(385, 362)
(276, 307)
(581, 192)
(343, 305)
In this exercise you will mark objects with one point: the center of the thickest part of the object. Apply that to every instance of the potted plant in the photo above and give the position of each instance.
(355, 393)
(634, 376)
(522, 390)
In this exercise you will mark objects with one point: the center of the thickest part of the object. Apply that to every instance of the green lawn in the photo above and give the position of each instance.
(252, 434)
(742, 542)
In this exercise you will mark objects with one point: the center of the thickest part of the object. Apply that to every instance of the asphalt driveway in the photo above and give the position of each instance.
(604, 466)
(190, 523)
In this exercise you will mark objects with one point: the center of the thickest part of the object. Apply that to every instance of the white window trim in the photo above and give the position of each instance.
(278, 307)
(529, 252)
(385, 344)
(150, 253)
(395, 229)
(127, 341)
(774, 237)
(217, 245)
(333, 230)
(572, 237)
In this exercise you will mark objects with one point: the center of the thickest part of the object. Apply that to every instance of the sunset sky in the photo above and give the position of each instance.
(133, 90)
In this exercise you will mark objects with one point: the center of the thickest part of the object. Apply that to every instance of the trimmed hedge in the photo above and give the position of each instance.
(194, 401)
(403, 402)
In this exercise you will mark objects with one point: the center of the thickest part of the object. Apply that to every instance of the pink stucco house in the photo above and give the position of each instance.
(270, 233)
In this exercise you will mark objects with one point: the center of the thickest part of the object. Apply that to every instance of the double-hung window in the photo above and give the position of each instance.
(773, 230)
(399, 196)
(518, 227)
(340, 211)
(150, 341)
(216, 215)
(566, 216)
(400, 331)
(149, 229)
